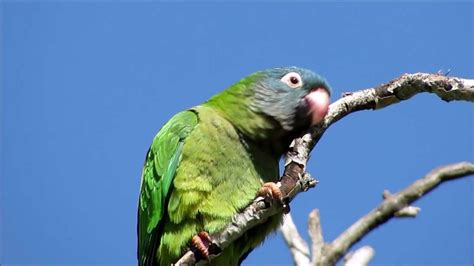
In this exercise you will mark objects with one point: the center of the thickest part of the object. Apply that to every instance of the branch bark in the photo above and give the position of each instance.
(316, 234)
(298, 247)
(360, 257)
(294, 179)
(392, 205)
(388, 209)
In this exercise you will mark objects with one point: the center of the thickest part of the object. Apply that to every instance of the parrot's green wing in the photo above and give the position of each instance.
(161, 162)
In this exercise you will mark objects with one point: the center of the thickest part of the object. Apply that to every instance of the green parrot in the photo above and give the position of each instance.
(209, 162)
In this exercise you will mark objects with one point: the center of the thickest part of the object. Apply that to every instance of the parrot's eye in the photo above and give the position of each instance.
(292, 79)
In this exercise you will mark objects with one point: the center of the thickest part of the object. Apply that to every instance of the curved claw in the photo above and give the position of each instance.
(200, 245)
(271, 190)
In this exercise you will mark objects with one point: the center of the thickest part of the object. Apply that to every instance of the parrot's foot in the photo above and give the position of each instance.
(202, 246)
(271, 190)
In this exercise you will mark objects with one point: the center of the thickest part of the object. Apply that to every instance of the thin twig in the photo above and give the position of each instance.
(316, 234)
(298, 247)
(360, 257)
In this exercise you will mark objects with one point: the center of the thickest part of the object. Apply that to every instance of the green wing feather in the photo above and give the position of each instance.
(161, 163)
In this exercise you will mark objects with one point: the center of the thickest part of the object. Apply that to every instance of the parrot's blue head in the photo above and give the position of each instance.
(274, 105)
(294, 97)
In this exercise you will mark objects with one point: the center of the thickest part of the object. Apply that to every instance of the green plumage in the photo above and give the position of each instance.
(205, 165)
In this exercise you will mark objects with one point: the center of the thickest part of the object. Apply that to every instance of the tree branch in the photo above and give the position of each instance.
(298, 247)
(360, 257)
(397, 205)
(333, 251)
(295, 180)
(392, 206)
(395, 91)
(316, 234)
(253, 215)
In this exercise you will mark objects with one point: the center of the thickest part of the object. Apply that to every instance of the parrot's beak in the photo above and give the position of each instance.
(318, 102)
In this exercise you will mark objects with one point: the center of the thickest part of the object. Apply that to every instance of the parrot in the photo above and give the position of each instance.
(209, 162)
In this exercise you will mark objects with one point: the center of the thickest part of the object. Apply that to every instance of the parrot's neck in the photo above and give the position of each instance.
(255, 129)
(236, 106)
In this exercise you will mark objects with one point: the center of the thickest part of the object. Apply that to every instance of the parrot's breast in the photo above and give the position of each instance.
(219, 175)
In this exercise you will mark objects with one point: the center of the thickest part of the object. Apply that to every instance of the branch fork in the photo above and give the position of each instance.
(393, 205)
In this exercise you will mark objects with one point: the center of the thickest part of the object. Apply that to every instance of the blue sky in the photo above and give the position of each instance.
(85, 86)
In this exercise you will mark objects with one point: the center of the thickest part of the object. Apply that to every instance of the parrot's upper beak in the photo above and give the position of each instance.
(318, 102)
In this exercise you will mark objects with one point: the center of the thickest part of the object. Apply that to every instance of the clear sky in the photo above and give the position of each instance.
(85, 86)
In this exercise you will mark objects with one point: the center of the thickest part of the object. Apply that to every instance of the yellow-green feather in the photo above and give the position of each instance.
(235, 104)
(216, 176)
(161, 163)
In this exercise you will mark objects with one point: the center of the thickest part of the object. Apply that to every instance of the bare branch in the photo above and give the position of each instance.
(360, 257)
(386, 210)
(316, 234)
(298, 247)
(409, 211)
(256, 213)
(295, 180)
(395, 91)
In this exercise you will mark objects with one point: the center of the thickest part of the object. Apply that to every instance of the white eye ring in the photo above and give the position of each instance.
(292, 79)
